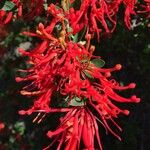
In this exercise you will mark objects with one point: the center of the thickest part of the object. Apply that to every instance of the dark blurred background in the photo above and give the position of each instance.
(129, 48)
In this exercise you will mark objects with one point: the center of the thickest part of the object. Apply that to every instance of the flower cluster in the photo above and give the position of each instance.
(78, 125)
(104, 12)
(61, 64)
(20, 9)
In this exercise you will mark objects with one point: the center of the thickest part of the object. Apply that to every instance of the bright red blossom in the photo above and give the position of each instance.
(27, 9)
(92, 12)
(78, 125)
(61, 65)
(5, 17)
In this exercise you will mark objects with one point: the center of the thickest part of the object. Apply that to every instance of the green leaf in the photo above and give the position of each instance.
(98, 62)
(19, 127)
(45, 6)
(77, 102)
(2, 2)
(88, 75)
(75, 38)
(8, 6)
(8, 39)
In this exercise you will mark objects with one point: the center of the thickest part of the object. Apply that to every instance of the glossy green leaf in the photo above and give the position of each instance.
(77, 102)
(19, 127)
(88, 75)
(98, 62)
(75, 37)
(8, 6)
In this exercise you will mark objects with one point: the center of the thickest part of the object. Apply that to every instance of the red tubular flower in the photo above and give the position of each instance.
(35, 8)
(92, 12)
(5, 17)
(19, 7)
(76, 126)
(88, 15)
(25, 9)
(129, 10)
(146, 8)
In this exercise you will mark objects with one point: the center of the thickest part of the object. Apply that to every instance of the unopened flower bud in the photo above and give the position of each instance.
(118, 66)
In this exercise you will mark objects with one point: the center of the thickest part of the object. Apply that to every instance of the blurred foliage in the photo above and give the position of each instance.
(130, 48)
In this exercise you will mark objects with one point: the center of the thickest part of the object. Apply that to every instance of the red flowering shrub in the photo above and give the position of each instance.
(63, 63)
